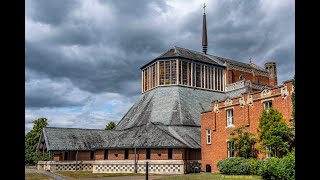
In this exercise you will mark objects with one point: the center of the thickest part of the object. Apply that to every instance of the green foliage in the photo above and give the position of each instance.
(278, 168)
(243, 143)
(269, 168)
(110, 126)
(293, 121)
(239, 166)
(31, 142)
(274, 133)
(293, 96)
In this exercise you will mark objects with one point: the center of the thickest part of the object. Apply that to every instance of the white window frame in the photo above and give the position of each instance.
(230, 120)
(229, 153)
(266, 105)
(208, 135)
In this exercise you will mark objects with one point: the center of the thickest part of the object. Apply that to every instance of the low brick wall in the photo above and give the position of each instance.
(65, 165)
(116, 166)
(127, 166)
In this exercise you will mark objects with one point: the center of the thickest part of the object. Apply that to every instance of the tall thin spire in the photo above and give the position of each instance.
(204, 31)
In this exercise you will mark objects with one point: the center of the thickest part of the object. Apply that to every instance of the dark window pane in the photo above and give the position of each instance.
(106, 154)
(148, 154)
(91, 155)
(126, 154)
(169, 153)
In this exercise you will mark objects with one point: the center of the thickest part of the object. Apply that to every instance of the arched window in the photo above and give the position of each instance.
(241, 77)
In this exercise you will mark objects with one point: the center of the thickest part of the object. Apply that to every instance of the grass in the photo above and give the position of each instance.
(89, 174)
(213, 176)
(31, 167)
(36, 176)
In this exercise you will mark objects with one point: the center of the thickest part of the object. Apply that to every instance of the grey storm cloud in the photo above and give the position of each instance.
(84, 48)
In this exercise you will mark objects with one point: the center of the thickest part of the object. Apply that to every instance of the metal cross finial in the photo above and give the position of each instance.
(204, 8)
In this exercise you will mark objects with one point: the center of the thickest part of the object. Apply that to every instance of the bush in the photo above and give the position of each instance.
(238, 166)
(275, 168)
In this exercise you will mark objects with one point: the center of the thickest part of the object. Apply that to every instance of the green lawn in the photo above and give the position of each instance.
(89, 174)
(31, 167)
(205, 176)
(36, 176)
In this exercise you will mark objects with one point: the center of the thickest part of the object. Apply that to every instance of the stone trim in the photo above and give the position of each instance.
(119, 166)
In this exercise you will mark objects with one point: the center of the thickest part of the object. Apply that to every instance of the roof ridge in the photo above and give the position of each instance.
(165, 52)
(73, 128)
(170, 135)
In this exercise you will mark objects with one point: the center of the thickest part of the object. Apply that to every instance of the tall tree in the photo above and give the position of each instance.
(274, 133)
(110, 126)
(31, 142)
(243, 142)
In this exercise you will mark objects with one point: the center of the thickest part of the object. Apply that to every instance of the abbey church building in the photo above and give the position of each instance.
(180, 122)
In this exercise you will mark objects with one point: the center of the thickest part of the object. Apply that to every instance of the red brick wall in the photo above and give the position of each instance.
(159, 154)
(99, 155)
(155, 154)
(263, 79)
(234, 74)
(273, 81)
(140, 154)
(247, 115)
(56, 157)
(112, 154)
(178, 154)
(83, 155)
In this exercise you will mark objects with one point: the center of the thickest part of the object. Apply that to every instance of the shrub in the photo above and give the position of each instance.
(275, 168)
(238, 166)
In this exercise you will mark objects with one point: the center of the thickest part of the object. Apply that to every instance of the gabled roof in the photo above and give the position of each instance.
(177, 52)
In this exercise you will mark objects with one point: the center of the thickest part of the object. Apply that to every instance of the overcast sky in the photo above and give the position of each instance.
(83, 57)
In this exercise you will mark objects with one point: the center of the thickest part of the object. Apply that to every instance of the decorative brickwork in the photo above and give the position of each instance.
(247, 114)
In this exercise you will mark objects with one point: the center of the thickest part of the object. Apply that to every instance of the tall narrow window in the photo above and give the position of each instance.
(173, 72)
(126, 154)
(229, 117)
(198, 77)
(167, 72)
(106, 154)
(148, 154)
(184, 73)
(215, 79)
(208, 136)
(189, 74)
(161, 72)
(91, 155)
(169, 153)
(207, 77)
(230, 150)
(145, 79)
(218, 77)
(267, 105)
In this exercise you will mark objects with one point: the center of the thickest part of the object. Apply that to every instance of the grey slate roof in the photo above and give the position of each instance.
(177, 52)
(163, 117)
(148, 135)
(76, 139)
(171, 105)
(201, 57)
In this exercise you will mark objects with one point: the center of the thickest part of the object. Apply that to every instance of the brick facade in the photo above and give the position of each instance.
(247, 115)
(233, 75)
(119, 154)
